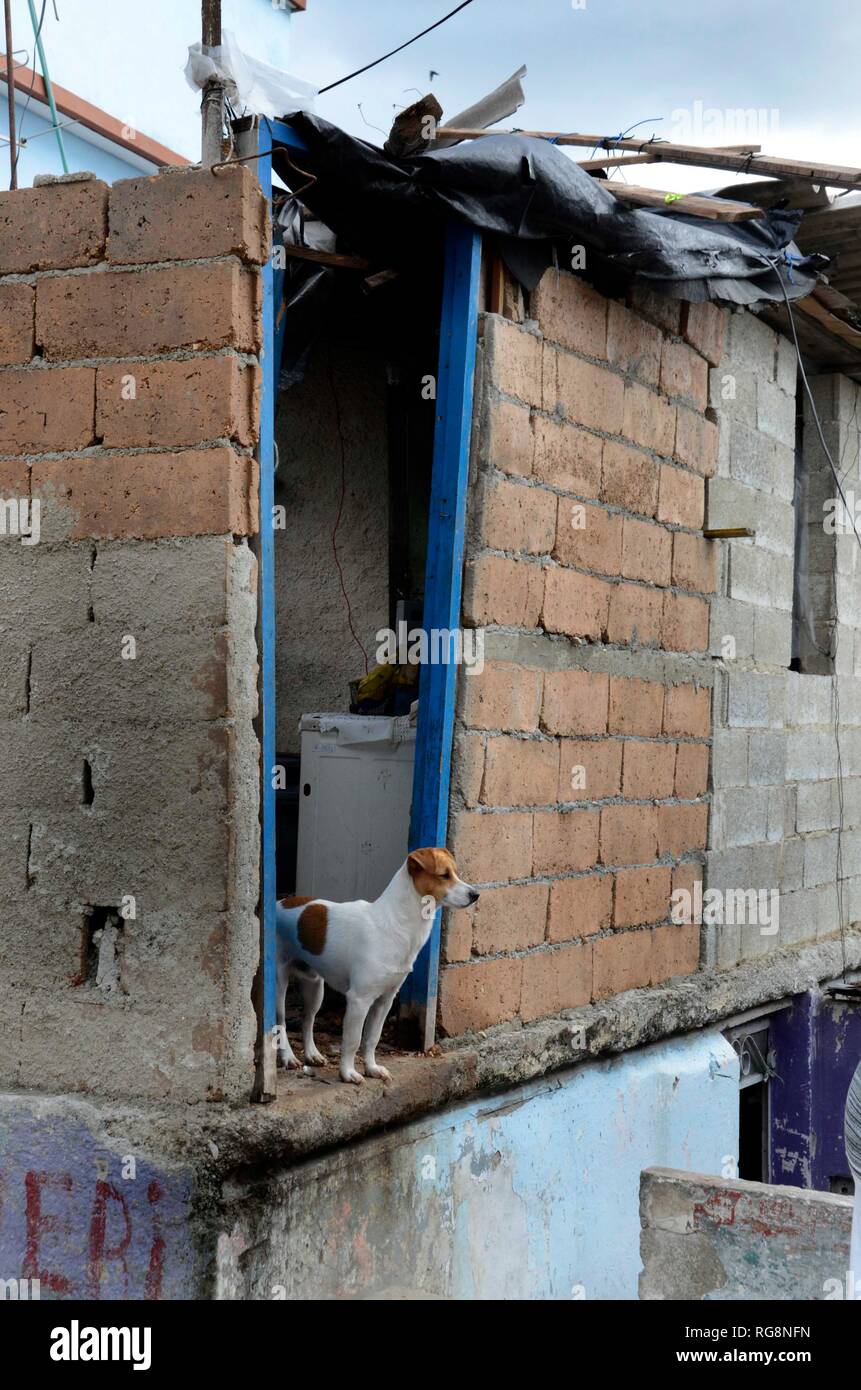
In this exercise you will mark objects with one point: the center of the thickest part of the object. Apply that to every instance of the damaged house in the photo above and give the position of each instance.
(277, 411)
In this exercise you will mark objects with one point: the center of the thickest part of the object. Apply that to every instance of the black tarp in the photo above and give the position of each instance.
(535, 200)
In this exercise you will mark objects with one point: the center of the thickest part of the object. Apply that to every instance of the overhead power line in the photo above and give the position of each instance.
(399, 49)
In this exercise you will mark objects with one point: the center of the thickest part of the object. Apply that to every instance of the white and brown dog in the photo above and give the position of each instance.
(363, 950)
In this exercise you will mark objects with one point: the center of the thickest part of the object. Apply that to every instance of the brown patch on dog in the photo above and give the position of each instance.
(312, 928)
(428, 869)
(295, 902)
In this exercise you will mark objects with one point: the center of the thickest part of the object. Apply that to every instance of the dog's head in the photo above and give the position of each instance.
(434, 875)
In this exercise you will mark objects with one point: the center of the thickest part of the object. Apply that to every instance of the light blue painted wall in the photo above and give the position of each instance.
(43, 155)
(533, 1194)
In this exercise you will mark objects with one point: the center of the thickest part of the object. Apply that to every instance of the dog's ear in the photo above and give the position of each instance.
(421, 861)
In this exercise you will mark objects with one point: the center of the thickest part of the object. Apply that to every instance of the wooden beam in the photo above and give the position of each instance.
(836, 175)
(306, 253)
(813, 309)
(714, 209)
(613, 161)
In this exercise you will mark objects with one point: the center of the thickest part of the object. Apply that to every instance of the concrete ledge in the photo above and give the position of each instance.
(314, 1114)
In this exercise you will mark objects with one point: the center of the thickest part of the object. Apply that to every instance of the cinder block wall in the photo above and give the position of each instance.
(582, 750)
(776, 805)
(129, 327)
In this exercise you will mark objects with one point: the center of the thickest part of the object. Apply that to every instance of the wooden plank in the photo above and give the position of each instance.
(307, 253)
(836, 175)
(716, 210)
(813, 309)
(620, 161)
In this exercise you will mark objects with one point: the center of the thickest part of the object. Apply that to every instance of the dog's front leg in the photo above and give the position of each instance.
(286, 1055)
(371, 1035)
(354, 1022)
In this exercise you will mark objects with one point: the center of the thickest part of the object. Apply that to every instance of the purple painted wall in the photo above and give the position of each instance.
(88, 1221)
(817, 1046)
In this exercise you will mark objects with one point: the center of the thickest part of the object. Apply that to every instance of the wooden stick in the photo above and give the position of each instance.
(746, 161)
(307, 253)
(714, 209)
(612, 161)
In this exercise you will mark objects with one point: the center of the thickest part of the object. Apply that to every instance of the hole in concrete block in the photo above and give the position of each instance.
(101, 937)
(88, 793)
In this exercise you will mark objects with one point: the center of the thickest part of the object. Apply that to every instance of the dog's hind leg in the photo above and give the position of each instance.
(312, 997)
(286, 1055)
(371, 1035)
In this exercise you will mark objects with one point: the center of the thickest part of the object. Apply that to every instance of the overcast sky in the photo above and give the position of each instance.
(603, 67)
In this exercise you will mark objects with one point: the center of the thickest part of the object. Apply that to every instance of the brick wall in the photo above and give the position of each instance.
(582, 750)
(129, 327)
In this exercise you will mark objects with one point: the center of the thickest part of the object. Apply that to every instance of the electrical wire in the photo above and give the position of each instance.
(399, 49)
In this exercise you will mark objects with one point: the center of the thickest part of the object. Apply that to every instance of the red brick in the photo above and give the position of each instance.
(189, 402)
(621, 962)
(635, 707)
(550, 378)
(580, 906)
(696, 444)
(512, 918)
(649, 770)
(704, 327)
(685, 626)
(509, 437)
(694, 563)
(692, 770)
(149, 311)
(502, 696)
(687, 712)
(658, 308)
(675, 951)
(681, 498)
(16, 323)
(630, 478)
(564, 841)
(575, 702)
(479, 994)
(649, 420)
(45, 410)
(197, 493)
(629, 834)
(636, 614)
(567, 457)
(571, 313)
(520, 772)
(646, 552)
(468, 766)
(490, 847)
(601, 764)
(593, 396)
(189, 214)
(519, 518)
(682, 828)
(642, 895)
(684, 374)
(515, 360)
(588, 537)
(575, 604)
(556, 980)
(633, 344)
(14, 478)
(502, 590)
(456, 937)
(685, 879)
(53, 227)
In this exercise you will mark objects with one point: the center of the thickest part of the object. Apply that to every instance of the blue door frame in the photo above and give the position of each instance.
(443, 585)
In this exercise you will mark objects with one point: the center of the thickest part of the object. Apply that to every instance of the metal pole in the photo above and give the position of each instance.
(48, 88)
(212, 102)
(10, 83)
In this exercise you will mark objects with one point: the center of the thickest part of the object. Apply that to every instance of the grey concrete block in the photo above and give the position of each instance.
(820, 859)
(766, 757)
(775, 412)
(733, 503)
(852, 801)
(731, 630)
(817, 806)
(776, 814)
(14, 669)
(753, 345)
(792, 865)
(772, 637)
(786, 366)
(167, 584)
(811, 756)
(808, 700)
(41, 768)
(755, 701)
(729, 757)
(742, 815)
(45, 588)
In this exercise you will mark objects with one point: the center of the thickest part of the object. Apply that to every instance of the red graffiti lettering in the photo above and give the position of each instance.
(154, 1193)
(98, 1254)
(39, 1225)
